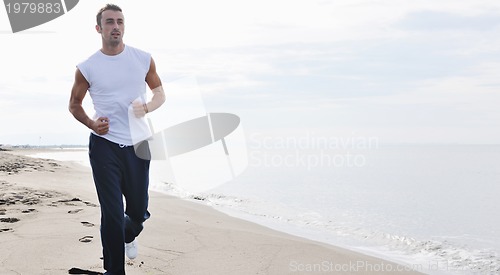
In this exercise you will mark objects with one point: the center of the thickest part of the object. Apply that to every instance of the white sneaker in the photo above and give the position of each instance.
(131, 249)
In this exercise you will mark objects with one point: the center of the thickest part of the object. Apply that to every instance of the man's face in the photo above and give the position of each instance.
(112, 26)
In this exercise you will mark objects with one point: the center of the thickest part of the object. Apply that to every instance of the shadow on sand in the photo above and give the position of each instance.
(75, 270)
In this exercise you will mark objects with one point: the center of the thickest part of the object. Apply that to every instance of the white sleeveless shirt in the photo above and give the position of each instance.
(115, 82)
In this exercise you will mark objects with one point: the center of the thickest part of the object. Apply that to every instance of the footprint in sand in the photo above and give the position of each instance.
(9, 220)
(76, 201)
(87, 224)
(86, 239)
(75, 211)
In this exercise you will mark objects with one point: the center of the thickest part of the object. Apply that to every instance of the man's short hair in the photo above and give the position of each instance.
(112, 7)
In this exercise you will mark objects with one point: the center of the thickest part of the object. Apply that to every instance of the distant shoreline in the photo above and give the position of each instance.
(6, 147)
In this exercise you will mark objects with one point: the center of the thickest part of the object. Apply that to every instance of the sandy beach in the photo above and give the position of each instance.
(50, 215)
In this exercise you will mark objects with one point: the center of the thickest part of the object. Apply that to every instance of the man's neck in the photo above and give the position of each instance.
(112, 50)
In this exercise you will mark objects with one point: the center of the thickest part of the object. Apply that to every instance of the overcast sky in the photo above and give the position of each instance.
(401, 71)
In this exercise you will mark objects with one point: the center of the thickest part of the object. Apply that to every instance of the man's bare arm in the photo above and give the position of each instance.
(154, 84)
(78, 92)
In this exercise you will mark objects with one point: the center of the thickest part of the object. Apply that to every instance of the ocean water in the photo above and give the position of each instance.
(432, 208)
